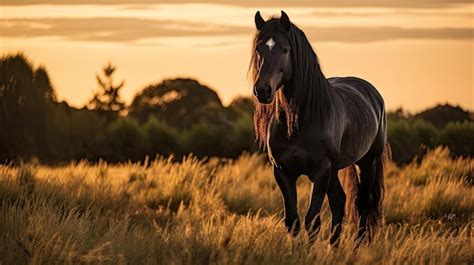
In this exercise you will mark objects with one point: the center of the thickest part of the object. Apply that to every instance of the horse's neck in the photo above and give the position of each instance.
(318, 101)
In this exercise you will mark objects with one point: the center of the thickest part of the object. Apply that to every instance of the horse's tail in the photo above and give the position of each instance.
(350, 183)
(374, 211)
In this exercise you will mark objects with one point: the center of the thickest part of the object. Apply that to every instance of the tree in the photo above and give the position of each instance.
(26, 95)
(441, 115)
(180, 103)
(107, 99)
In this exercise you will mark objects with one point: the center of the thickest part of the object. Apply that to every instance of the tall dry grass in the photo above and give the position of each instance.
(226, 212)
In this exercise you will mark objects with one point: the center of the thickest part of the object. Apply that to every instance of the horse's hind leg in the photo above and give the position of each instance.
(363, 194)
(337, 200)
(370, 195)
(287, 185)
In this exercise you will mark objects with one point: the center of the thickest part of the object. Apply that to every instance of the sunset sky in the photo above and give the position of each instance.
(417, 54)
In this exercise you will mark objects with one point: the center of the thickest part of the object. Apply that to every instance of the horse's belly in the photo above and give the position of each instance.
(356, 142)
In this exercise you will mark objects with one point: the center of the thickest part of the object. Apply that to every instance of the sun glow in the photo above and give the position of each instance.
(411, 54)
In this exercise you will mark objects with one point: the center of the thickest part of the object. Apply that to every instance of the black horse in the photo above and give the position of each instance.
(315, 126)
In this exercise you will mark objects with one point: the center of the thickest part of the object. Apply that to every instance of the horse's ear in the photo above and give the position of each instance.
(259, 21)
(285, 21)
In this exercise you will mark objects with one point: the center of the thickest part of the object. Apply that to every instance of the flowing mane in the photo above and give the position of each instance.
(305, 98)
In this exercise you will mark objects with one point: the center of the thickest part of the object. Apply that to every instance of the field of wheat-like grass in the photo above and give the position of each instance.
(226, 212)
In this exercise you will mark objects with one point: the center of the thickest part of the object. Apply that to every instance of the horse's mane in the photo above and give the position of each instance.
(305, 98)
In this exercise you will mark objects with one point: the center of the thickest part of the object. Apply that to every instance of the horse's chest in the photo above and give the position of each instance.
(292, 156)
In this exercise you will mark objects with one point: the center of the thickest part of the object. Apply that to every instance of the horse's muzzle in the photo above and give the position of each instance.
(264, 94)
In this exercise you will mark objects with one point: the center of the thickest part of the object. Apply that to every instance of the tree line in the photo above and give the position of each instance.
(174, 117)
(412, 135)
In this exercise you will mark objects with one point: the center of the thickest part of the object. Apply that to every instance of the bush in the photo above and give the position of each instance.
(123, 140)
(459, 137)
(404, 142)
(410, 138)
(162, 139)
(243, 138)
(206, 139)
(425, 132)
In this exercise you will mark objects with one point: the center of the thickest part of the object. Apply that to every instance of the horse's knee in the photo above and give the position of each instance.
(338, 214)
(338, 206)
(337, 200)
(362, 202)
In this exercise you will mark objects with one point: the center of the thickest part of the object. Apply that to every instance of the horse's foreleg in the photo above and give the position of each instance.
(337, 201)
(320, 186)
(287, 185)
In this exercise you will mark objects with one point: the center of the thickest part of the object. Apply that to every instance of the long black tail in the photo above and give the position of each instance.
(374, 210)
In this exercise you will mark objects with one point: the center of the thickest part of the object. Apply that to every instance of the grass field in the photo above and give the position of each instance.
(225, 212)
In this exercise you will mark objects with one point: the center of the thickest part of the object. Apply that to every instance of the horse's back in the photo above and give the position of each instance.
(353, 89)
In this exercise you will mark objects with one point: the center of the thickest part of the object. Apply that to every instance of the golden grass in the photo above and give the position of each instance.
(226, 212)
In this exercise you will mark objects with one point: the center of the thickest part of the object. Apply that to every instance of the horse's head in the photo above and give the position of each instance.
(272, 56)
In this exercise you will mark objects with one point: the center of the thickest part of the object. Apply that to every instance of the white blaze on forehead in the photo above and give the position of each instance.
(270, 43)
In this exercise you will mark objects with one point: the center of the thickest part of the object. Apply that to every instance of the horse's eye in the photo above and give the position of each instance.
(285, 50)
(259, 49)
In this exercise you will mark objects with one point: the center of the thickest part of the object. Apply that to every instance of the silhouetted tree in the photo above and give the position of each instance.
(398, 114)
(440, 115)
(242, 105)
(107, 99)
(178, 102)
(25, 97)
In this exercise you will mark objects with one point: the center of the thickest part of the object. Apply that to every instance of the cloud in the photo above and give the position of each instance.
(263, 3)
(395, 11)
(133, 29)
(111, 29)
(368, 34)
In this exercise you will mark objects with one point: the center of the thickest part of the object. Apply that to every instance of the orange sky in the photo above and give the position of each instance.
(416, 55)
